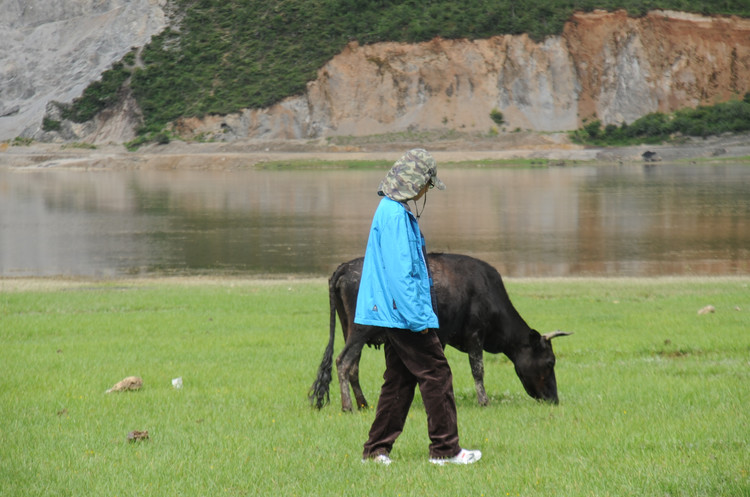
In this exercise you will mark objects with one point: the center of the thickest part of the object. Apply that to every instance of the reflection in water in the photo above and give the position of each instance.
(618, 220)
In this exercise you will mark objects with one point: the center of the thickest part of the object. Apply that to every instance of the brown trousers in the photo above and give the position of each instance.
(413, 359)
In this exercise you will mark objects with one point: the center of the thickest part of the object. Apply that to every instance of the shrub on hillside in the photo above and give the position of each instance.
(702, 121)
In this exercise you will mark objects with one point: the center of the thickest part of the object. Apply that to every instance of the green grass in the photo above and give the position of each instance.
(653, 397)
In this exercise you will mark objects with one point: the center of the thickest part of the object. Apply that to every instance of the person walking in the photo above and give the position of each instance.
(396, 294)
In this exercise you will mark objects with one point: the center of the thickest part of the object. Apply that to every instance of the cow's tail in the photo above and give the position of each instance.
(318, 393)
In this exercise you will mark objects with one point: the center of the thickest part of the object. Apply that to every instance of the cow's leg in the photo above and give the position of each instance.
(354, 379)
(343, 365)
(347, 367)
(476, 361)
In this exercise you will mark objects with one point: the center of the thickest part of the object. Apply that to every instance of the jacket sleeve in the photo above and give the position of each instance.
(400, 249)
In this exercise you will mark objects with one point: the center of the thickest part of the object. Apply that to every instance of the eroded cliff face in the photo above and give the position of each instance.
(390, 87)
(605, 65)
(628, 67)
(446, 83)
(51, 50)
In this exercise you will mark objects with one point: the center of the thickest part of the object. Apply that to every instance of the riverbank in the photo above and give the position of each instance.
(555, 148)
(86, 283)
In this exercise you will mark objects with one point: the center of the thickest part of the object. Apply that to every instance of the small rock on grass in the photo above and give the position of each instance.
(707, 310)
(137, 436)
(129, 383)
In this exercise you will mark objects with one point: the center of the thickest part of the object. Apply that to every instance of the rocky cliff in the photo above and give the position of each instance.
(50, 50)
(607, 66)
(604, 65)
(628, 67)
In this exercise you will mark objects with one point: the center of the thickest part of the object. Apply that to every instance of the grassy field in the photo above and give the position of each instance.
(653, 396)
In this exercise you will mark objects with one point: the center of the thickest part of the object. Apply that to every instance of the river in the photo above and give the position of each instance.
(580, 220)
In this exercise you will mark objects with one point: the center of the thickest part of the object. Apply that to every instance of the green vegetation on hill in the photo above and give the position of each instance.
(656, 127)
(225, 55)
(96, 97)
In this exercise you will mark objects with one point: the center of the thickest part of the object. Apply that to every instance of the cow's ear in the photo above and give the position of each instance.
(552, 334)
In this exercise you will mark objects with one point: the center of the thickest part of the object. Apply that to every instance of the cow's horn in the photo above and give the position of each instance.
(552, 334)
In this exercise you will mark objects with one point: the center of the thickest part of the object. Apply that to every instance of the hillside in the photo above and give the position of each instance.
(605, 66)
(273, 70)
(51, 50)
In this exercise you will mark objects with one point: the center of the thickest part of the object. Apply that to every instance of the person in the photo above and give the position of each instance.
(396, 294)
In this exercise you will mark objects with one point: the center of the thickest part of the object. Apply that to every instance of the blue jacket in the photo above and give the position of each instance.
(395, 288)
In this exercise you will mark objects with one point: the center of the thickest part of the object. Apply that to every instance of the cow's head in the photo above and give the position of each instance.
(535, 366)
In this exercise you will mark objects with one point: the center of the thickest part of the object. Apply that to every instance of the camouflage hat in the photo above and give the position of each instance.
(409, 174)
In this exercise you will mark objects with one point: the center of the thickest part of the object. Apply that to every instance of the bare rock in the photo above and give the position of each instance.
(137, 436)
(129, 383)
(709, 309)
(649, 156)
(53, 49)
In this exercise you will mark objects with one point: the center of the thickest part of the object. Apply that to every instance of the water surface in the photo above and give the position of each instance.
(583, 220)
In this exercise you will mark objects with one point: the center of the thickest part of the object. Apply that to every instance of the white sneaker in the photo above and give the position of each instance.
(380, 459)
(463, 457)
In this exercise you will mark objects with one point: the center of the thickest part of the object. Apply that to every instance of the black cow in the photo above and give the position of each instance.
(475, 314)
